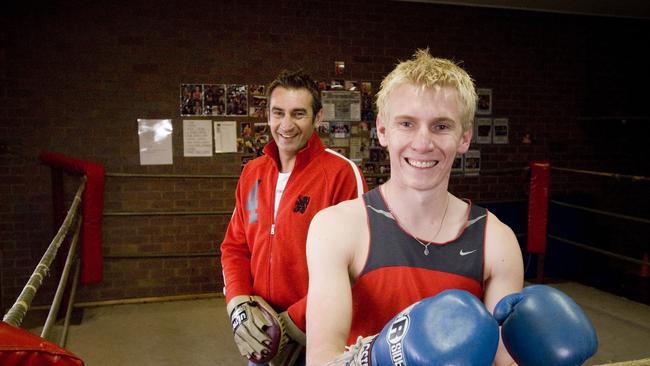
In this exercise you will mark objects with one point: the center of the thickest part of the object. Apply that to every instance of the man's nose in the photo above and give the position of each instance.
(423, 140)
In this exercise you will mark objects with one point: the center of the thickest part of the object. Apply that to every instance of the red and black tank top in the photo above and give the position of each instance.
(398, 273)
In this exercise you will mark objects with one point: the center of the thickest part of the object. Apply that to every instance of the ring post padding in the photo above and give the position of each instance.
(538, 206)
(93, 208)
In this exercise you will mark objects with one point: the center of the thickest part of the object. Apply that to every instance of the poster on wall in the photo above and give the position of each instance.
(262, 136)
(341, 105)
(484, 130)
(500, 131)
(367, 112)
(197, 137)
(472, 162)
(214, 99)
(225, 136)
(191, 99)
(258, 102)
(484, 102)
(236, 100)
(340, 130)
(155, 138)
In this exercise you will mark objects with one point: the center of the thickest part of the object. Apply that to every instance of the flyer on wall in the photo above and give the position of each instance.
(197, 137)
(155, 138)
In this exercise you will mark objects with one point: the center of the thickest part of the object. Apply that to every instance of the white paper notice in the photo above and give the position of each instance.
(155, 141)
(197, 137)
(328, 111)
(225, 136)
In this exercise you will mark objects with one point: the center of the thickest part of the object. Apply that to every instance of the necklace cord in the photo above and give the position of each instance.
(444, 215)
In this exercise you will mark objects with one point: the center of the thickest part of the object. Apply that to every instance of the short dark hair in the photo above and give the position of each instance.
(297, 80)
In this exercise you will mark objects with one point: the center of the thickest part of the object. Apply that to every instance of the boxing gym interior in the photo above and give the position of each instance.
(110, 233)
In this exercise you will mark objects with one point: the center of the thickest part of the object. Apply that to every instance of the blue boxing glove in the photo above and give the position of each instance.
(451, 328)
(543, 326)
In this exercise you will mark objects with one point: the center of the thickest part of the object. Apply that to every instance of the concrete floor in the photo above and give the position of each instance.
(198, 333)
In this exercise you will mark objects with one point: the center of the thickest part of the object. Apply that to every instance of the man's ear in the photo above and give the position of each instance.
(465, 140)
(381, 130)
(318, 118)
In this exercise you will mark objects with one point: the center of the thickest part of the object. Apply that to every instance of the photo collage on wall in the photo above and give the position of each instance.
(349, 127)
(248, 132)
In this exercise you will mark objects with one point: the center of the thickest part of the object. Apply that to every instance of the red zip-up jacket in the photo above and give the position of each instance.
(266, 257)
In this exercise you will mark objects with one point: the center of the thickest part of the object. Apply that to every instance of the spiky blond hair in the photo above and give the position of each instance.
(428, 71)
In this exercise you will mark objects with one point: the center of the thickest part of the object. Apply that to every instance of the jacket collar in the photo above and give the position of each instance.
(313, 148)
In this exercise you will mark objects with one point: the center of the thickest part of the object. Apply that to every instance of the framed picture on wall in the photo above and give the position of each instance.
(484, 102)
(484, 130)
(472, 162)
(457, 167)
(500, 131)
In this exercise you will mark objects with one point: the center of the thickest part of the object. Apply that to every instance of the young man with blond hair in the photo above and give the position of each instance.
(408, 239)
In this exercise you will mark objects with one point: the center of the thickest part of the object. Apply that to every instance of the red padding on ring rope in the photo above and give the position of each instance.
(18, 347)
(93, 209)
(540, 172)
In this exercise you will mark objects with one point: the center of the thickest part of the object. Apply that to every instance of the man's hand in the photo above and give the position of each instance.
(250, 326)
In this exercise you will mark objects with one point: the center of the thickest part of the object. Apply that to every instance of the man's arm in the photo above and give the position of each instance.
(235, 254)
(347, 184)
(330, 251)
(504, 269)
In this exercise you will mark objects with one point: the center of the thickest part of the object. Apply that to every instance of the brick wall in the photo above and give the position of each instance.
(76, 76)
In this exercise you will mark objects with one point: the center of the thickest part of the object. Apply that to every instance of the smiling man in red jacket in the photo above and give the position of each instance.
(263, 252)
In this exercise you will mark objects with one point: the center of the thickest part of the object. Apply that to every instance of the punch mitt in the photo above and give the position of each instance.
(258, 332)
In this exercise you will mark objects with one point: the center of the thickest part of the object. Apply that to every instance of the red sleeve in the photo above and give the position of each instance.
(347, 185)
(235, 254)
(298, 311)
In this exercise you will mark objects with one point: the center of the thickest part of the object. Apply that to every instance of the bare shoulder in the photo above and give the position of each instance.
(503, 260)
(502, 251)
(343, 213)
(498, 232)
(334, 231)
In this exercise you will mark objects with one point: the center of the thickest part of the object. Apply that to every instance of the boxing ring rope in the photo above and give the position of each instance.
(17, 312)
(539, 216)
(605, 174)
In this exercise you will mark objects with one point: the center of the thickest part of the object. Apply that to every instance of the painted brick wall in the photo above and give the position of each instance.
(76, 76)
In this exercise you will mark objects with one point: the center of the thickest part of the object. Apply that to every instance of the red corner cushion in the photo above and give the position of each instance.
(21, 348)
(93, 208)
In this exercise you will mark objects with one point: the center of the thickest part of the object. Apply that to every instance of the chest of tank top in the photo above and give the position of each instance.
(398, 273)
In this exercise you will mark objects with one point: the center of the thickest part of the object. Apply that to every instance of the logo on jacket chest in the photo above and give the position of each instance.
(301, 204)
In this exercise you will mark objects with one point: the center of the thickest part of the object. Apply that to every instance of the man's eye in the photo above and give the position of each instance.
(277, 114)
(441, 126)
(406, 123)
(299, 115)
